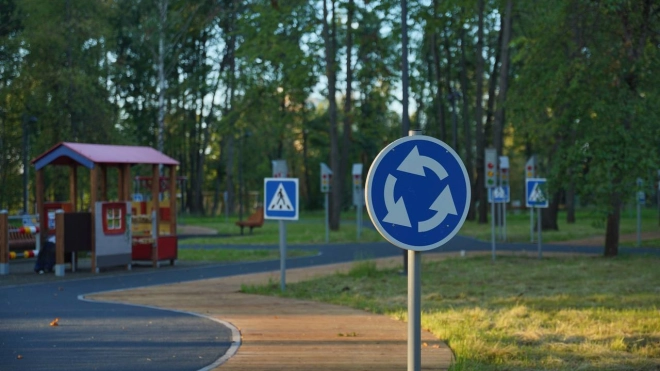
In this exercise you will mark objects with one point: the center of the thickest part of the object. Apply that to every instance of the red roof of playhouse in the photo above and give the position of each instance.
(87, 155)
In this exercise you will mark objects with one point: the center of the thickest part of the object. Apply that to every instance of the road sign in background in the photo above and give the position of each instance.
(281, 198)
(326, 178)
(536, 192)
(418, 193)
(490, 167)
(499, 194)
(280, 170)
(530, 167)
(504, 170)
(358, 194)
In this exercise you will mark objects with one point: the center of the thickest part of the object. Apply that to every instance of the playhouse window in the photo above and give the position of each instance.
(113, 218)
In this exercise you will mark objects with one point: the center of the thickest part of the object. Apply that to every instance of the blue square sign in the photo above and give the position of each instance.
(499, 195)
(281, 198)
(536, 192)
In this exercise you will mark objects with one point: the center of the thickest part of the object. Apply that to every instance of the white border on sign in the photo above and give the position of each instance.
(370, 207)
(297, 203)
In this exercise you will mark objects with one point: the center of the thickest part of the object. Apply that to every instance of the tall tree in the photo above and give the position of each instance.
(594, 99)
(478, 188)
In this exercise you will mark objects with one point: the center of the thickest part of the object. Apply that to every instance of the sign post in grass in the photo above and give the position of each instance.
(537, 198)
(396, 182)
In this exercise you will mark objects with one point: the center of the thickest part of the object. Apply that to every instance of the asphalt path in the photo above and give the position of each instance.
(109, 336)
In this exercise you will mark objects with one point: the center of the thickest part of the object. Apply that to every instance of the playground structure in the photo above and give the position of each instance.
(114, 232)
(19, 238)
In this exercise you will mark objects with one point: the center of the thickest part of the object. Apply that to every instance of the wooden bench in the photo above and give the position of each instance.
(253, 221)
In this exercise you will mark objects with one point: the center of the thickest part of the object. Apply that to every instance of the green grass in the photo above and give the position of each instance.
(588, 224)
(234, 255)
(310, 229)
(518, 313)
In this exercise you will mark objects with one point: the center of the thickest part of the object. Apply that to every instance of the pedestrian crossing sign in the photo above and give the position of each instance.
(537, 194)
(281, 198)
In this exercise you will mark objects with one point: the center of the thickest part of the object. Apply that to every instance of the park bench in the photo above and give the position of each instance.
(253, 221)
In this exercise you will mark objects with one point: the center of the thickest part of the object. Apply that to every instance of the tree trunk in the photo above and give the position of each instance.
(228, 152)
(467, 130)
(570, 203)
(329, 39)
(492, 85)
(308, 185)
(498, 127)
(405, 119)
(439, 99)
(549, 214)
(612, 229)
(347, 128)
(450, 92)
(478, 188)
(162, 9)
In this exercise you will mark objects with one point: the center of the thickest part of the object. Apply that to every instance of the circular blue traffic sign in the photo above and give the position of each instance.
(418, 193)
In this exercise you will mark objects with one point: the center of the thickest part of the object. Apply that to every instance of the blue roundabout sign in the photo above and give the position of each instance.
(418, 193)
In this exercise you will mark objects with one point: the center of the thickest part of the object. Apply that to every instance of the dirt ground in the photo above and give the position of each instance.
(287, 334)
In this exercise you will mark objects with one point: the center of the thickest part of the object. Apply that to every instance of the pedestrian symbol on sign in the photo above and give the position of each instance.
(280, 200)
(536, 192)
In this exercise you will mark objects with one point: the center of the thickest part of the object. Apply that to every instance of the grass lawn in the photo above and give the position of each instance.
(234, 255)
(304, 231)
(519, 313)
(588, 224)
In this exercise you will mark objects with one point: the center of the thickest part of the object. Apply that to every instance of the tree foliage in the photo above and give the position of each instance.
(232, 85)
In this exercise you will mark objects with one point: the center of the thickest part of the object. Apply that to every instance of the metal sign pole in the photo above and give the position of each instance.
(504, 220)
(492, 225)
(531, 224)
(414, 310)
(359, 221)
(639, 223)
(327, 219)
(539, 231)
(282, 256)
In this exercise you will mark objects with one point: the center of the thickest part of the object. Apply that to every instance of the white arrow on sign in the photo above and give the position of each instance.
(444, 205)
(414, 163)
(396, 210)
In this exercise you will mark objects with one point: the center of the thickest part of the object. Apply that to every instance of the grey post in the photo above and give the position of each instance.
(504, 220)
(282, 256)
(359, 220)
(539, 231)
(492, 227)
(414, 303)
(327, 218)
(414, 310)
(639, 222)
(59, 268)
(531, 224)
(4, 267)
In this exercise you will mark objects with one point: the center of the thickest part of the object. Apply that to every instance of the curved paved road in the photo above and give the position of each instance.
(105, 336)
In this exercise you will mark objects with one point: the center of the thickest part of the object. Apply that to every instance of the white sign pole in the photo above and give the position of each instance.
(281, 202)
(539, 231)
(504, 221)
(327, 218)
(531, 224)
(282, 256)
(640, 200)
(359, 221)
(414, 303)
(639, 224)
(492, 229)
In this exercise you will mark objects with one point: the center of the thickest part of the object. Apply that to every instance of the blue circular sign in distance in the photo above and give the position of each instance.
(418, 193)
